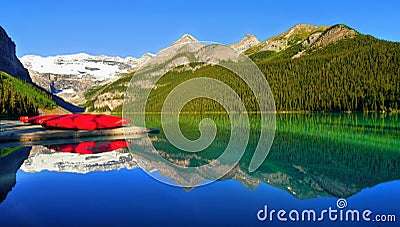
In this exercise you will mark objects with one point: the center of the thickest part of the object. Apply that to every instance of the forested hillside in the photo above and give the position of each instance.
(18, 97)
(357, 74)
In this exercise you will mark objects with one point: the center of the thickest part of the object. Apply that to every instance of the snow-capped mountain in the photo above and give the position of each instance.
(99, 67)
(76, 73)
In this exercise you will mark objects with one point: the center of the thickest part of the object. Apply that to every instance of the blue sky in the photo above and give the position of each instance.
(132, 28)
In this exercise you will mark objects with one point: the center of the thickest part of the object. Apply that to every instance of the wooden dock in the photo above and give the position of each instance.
(13, 131)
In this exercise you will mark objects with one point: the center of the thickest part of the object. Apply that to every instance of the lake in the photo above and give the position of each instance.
(315, 160)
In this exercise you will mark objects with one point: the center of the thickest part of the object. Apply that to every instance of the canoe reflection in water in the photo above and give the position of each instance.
(90, 147)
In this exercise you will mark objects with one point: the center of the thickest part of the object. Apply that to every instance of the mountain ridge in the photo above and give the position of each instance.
(340, 70)
(306, 40)
(299, 41)
(294, 35)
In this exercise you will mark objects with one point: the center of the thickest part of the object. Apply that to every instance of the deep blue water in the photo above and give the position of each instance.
(132, 197)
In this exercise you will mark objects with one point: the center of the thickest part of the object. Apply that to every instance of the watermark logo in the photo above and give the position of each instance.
(191, 56)
(331, 214)
(341, 203)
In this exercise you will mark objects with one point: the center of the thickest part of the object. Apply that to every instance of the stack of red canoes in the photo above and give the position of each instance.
(77, 121)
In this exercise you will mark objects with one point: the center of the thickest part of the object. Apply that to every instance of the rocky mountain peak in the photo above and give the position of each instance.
(186, 38)
(300, 30)
(249, 37)
(245, 43)
(303, 26)
(9, 62)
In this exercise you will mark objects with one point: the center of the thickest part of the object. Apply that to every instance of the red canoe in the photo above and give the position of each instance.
(38, 119)
(91, 147)
(86, 122)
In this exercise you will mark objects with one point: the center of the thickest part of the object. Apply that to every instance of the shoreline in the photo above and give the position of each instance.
(14, 117)
(275, 112)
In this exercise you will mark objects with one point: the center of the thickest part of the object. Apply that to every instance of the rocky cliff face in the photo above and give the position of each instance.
(9, 62)
(111, 100)
(320, 39)
(334, 34)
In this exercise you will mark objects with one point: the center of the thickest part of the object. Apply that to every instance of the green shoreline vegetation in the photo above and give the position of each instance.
(18, 97)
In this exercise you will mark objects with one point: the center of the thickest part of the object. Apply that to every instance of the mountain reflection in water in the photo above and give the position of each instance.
(312, 155)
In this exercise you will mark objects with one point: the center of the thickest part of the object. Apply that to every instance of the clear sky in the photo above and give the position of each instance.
(132, 28)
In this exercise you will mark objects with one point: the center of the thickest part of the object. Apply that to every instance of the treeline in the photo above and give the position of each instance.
(20, 98)
(357, 74)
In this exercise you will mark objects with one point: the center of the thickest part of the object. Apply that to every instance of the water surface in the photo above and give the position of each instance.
(315, 159)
